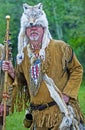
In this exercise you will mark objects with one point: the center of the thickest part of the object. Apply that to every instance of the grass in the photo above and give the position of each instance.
(15, 121)
(81, 97)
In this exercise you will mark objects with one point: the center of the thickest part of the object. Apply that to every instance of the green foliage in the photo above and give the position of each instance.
(66, 21)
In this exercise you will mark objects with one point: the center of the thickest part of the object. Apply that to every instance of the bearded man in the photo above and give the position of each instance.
(44, 63)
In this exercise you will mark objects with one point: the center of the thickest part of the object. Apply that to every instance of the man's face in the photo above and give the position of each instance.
(35, 35)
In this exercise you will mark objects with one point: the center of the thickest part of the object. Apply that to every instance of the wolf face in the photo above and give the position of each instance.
(32, 16)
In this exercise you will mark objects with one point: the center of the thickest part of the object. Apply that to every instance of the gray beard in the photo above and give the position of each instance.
(34, 38)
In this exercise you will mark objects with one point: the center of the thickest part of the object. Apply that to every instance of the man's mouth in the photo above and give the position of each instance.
(34, 35)
(34, 32)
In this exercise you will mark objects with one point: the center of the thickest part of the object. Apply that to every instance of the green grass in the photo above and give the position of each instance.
(81, 97)
(15, 121)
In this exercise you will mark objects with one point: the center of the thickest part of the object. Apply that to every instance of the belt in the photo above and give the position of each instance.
(42, 106)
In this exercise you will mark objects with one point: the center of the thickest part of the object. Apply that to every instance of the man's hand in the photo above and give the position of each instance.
(7, 66)
(66, 98)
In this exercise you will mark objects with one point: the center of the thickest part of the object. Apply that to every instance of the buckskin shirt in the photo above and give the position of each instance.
(62, 66)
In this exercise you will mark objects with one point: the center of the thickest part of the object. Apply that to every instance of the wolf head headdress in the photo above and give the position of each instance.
(32, 16)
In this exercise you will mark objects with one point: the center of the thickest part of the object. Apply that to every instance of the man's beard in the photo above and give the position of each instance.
(34, 36)
(35, 45)
(35, 42)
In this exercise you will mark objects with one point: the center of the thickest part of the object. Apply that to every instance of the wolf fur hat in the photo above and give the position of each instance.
(32, 16)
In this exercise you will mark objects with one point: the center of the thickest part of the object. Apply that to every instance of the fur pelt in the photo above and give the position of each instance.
(32, 16)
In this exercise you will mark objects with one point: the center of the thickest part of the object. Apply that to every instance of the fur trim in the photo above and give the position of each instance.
(54, 93)
(69, 117)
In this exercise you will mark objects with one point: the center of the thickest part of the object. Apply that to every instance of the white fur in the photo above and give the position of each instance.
(36, 16)
(69, 115)
(55, 95)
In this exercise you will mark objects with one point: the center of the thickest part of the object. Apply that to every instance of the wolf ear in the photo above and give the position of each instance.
(25, 6)
(40, 6)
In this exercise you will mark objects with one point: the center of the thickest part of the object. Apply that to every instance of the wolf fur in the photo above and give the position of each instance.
(69, 119)
(33, 16)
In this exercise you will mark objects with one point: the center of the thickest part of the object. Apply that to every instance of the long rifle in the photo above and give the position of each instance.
(6, 73)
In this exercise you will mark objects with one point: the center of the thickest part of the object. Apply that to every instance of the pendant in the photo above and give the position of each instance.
(35, 72)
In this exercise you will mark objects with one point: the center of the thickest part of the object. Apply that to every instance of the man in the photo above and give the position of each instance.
(3, 68)
(44, 63)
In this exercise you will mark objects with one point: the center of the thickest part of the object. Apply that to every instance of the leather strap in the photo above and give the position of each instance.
(42, 106)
